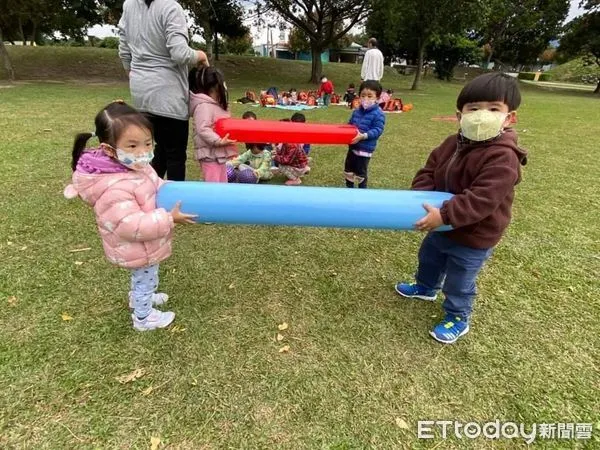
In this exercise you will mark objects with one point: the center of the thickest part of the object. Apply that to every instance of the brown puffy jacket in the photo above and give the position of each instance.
(482, 176)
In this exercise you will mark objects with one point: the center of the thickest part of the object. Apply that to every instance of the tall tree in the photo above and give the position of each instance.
(449, 50)
(320, 20)
(582, 37)
(239, 45)
(216, 18)
(298, 40)
(416, 23)
(517, 31)
(387, 25)
(6, 59)
(27, 20)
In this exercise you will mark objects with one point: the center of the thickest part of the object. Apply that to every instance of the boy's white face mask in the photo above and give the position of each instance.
(482, 125)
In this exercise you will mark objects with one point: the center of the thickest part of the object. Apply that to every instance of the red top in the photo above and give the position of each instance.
(326, 87)
(291, 155)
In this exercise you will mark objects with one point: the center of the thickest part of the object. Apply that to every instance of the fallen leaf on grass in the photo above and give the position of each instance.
(148, 390)
(9, 243)
(128, 378)
(75, 250)
(401, 423)
(47, 130)
(231, 286)
(154, 443)
(66, 316)
(78, 263)
(24, 248)
(280, 337)
(12, 301)
(177, 329)
(282, 326)
(284, 349)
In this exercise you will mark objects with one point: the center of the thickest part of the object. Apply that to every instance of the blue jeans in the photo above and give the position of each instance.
(447, 265)
(144, 282)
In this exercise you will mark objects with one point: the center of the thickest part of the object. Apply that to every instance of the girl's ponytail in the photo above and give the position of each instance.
(78, 147)
(208, 79)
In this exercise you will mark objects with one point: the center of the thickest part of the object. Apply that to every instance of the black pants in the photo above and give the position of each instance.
(170, 151)
(356, 169)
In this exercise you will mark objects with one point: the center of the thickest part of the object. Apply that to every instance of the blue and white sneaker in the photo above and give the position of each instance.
(158, 298)
(156, 319)
(450, 329)
(415, 291)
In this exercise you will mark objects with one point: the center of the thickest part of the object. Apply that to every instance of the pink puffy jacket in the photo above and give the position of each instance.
(206, 111)
(134, 232)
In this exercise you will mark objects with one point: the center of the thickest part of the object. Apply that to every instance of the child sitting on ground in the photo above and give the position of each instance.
(385, 97)
(250, 167)
(249, 115)
(290, 161)
(300, 118)
(480, 165)
(293, 96)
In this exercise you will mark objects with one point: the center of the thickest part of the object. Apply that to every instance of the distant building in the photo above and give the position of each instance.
(353, 54)
(281, 50)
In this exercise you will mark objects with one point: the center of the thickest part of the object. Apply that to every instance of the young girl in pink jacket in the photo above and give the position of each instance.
(116, 179)
(208, 103)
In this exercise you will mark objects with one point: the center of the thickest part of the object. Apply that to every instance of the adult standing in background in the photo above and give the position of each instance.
(372, 67)
(154, 49)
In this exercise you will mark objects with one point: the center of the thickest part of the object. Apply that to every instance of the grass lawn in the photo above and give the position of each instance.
(361, 363)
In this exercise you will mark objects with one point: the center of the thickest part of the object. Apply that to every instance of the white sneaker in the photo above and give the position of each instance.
(156, 319)
(157, 299)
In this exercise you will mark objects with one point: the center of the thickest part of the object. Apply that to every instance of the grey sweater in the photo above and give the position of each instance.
(153, 47)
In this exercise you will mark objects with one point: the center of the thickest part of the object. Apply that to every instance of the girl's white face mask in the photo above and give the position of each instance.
(134, 161)
(482, 125)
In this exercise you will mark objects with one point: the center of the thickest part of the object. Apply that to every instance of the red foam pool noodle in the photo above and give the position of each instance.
(271, 131)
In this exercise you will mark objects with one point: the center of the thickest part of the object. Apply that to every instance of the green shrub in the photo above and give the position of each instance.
(109, 42)
(529, 76)
(545, 77)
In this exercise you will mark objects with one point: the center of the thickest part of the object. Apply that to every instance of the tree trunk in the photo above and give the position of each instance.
(417, 79)
(21, 32)
(216, 42)
(208, 38)
(6, 60)
(316, 66)
(489, 58)
(33, 31)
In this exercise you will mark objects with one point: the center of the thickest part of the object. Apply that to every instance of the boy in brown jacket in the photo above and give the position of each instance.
(481, 166)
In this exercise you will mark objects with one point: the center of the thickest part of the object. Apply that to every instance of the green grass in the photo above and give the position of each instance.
(99, 65)
(360, 357)
(573, 71)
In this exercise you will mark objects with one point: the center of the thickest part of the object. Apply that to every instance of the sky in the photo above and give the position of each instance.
(260, 35)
